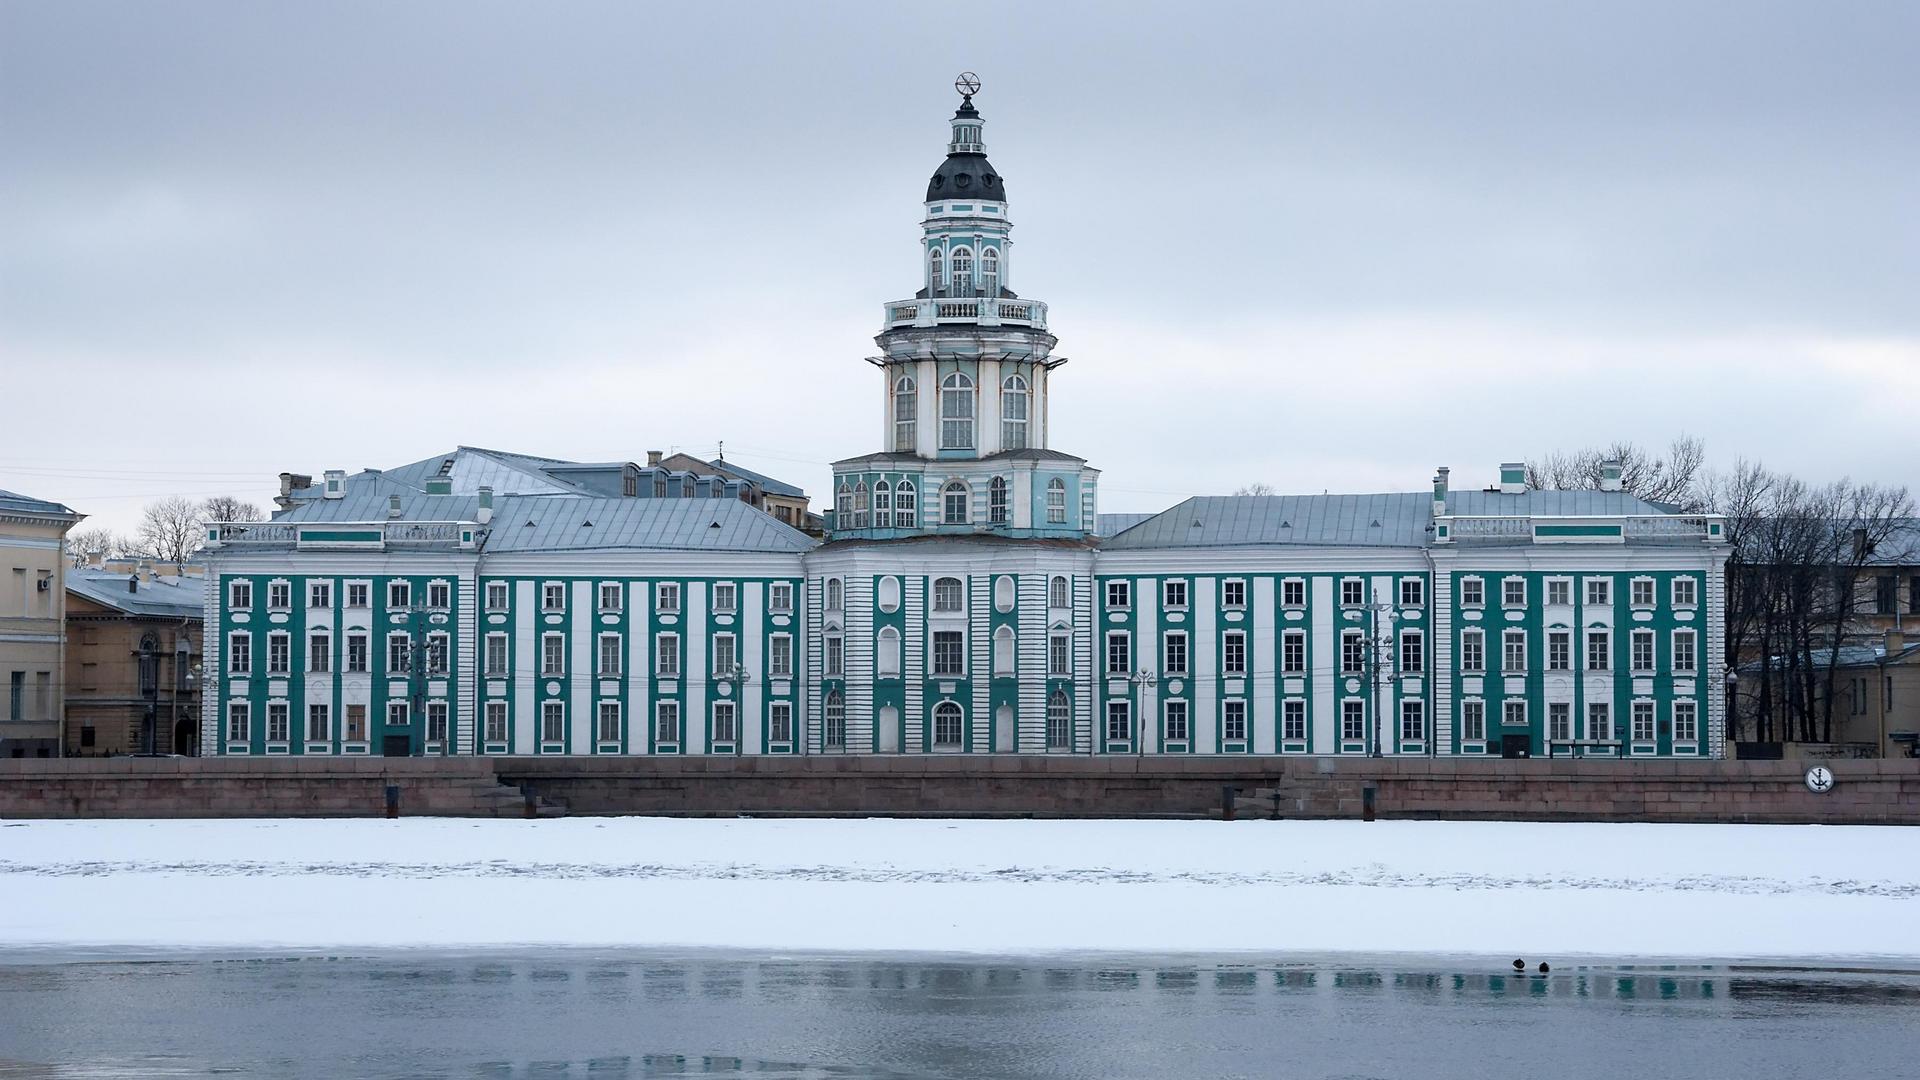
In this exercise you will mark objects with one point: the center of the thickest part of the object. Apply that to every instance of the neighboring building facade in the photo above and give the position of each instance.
(133, 647)
(32, 622)
(968, 597)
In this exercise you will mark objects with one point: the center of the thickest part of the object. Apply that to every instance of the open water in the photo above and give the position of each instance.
(557, 1013)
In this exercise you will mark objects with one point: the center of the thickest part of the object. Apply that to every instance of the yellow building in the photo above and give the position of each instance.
(33, 611)
(133, 644)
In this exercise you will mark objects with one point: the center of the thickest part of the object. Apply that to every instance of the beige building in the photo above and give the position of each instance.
(1878, 691)
(133, 652)
(32, 623)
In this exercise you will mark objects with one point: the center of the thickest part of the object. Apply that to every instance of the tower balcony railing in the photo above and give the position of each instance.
(1621, 528)
(980, 310)
(375, 535)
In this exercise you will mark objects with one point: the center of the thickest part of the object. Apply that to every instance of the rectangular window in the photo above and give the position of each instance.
(276, 721)
(1513, 592)
(666, 656)
(1233, 721)
(1173, 594)
(1559, 650)
(1119, 594)
(278, 648)
(1413, 721)
(1119, 721)
(319, 594)
(1233, 594)
(436, 721)
(1233, 652)
(240, 654)
(553, 654)
(397, 717)
(1599, 651)
(610, 596)
(666, 722)
(358, 593)
(553, 722)
(1119, 653)
(279, 595)
(726, 655)
(1642, 592)
(1413, 592)
(357, 653)
(780, 656)
(496, 596)
(1513, 651)
(780, 596)
(319, 654)
(1353, 592)
(1059, 722)
(496, 721)
(1684, 654)
(948, 594)
(1473, 650)
(356, 723)
(1559, 591)
(553, 597)
(1293, 593)
(835, 662)
(1560, 720)
(496, 654)
(1353, 653)
(1642, 658)
(666, 597)
(319, 723)
(1293, 653)
(399, 594)
(780, 722)
(1176, 721)
(726, 597)
(610, 649)
(1413, 652)
(1353, 721)
(399, 654)
(1175, 655)
(1058, 655)
(949, 652)
(239, 594)
(439, 595)
(1599, 592)
(436, 654)
(1643, 721)
(1683, 591)
(1293, 720)
(1599, 721)
(1473, 721)
(1473, 592)
(1686, 722)
(238, 722)
(609, 726)
(1513, 714)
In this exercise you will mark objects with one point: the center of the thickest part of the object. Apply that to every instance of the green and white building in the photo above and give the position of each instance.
(967, 598)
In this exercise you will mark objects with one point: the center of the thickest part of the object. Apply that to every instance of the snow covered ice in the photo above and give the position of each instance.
(989, 887)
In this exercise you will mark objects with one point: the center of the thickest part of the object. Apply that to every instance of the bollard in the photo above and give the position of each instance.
(1227, 793)
(1366, 803)
(393, 800)
(531, 800)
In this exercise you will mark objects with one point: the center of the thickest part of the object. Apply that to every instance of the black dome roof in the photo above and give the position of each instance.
(964, 176)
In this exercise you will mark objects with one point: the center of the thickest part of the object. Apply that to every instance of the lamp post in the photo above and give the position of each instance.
(735, 677)
(1733, 700)
(1381, 654)
(1143, 678)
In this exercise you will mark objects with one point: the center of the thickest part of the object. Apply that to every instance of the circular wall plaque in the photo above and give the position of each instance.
(1819, 779)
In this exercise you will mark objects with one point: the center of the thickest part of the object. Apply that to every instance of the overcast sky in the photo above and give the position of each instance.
(1324, 246)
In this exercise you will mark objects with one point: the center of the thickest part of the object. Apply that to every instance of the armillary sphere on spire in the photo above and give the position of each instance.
(968, 84)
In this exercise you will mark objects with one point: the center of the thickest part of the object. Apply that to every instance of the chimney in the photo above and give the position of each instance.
(653, 459)
(393, 506)
(144, 570)
(96, 558)
(1513, 477)
(486, 504)
(291, 482)
(1440, 492)
(1896, 642)
(1610, 475)
(1861, 548)
(336, 484)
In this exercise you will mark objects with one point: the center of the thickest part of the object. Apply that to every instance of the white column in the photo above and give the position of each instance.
(639, 673)
(693, 671)
(1202, 660)
(1324, 644)
(752, 640)
(526, 667)
(1262, 713)
(581, 703)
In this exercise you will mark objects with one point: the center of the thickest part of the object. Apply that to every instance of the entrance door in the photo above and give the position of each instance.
(396, 745)
(1516, 745)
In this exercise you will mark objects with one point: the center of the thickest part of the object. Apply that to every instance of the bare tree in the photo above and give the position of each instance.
(1671, 478)
(103, 540)
(228, 508)
(1255, 488)
(169, 529)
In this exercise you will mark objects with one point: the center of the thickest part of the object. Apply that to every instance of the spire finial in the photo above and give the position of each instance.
(968, 84)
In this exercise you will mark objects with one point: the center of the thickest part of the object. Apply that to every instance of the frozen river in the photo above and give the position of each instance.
(600, 1014)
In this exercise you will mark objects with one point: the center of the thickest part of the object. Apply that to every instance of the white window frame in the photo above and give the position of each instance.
(957, 412)
(780, 597)
(1416, 710)
(1418, 587)
(1289, 585)
(1634, 588)
(1353, 711)
(239, 721)
(1056, 501)
(949, 601)
(1121, 588)
(1417, 639)
(1642, 639)
(834, 660)
(279, 652)
(1693, 591)
(440, 595)
(1233, 720)
(549, 668)
(779, 724)
(1559, 721)
(1597, 591)
(602, 654)
(1059, 655)
(1643, 707)
(1692, 735)
(1691, 655)
(1176, 721)
(505, 656)
(1289, 733)
(667, 596)
(666, 655)
(322, 711)
(726, 598)
(780, 656)
(280, 595)
(553, 597)
(1059, 593)
(499, 596)
(612, 596)
(1174, 648)
(1507, 637)
(319, 594)
(399, 594)
(1124, 639)
(1605, 638)
(1599, 722)
(1507, 602)
(948, 669)
(552, 710)
(497, 727)
(1172, 599)
(1346, 593)
(1557, 585)
(955, 493)
(240, 593)
(1476, 580)
(666, 723)
(1473, 650)
(942, 710)
(1473, 720)
(1288, 640)
(1233, 652)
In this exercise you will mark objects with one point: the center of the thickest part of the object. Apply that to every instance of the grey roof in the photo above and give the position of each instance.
(475, 467)
(12, 502)
(1851, 656)
(767, 483)
(966, 176)
(1031, 453)
(1114, 524)
(1245, 520)
(165, 597)
(1901, 547)
(662, 524)
(1562, 503)
(369, 503)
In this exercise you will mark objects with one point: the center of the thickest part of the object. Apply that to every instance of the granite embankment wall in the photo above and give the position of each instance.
(1866, 792)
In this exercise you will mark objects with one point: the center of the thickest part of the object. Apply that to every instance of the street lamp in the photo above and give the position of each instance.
(1382, 643)
(1144, 677)
(1733, 700)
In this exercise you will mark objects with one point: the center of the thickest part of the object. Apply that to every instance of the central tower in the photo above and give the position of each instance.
(965, 365)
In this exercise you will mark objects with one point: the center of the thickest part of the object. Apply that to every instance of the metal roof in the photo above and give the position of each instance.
(369, 504)
(1244, 520)
(164, 597)
(1551, 503)
(475, 467)
(12, 502)
(767, 483)
(539, 525)
(1114, 524)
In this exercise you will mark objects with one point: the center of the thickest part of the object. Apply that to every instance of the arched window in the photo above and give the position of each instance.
(962, 283)
(887, 660)
(1013, 413)
(953, 503)
(834, 594)
(935, 279)
(946, 726)
(843, 507)
(956, 412)
(905, 509)
(835, 733)
(1057, 591)
(889, 591)
(860, 505)
(882, 504)
(1003, 593)
(1056, 501)
(906, 410)
(990, 271)
(1059, 721)
(997, 501)
(1003, 651)
(948, 594)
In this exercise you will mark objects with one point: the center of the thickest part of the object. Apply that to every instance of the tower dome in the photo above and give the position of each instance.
(966, 173)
